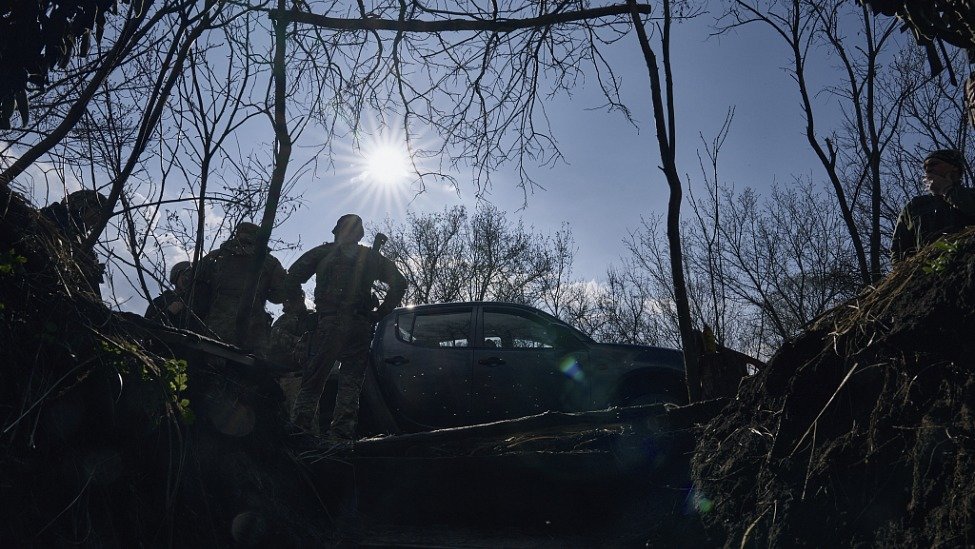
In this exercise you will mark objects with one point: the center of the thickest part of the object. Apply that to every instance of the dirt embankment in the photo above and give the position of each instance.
(861, 431)
(98, 446)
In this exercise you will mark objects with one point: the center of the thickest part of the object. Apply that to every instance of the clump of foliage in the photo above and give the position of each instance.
(170, 373)
(38, 35)
(948, 20)
(942, 253)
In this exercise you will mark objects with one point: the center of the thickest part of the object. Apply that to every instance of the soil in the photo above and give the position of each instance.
(860, 431)
(98, 444)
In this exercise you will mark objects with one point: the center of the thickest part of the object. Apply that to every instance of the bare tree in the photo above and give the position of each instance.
(662, 96)
(871, 98)
(452, 256)
(784, 260)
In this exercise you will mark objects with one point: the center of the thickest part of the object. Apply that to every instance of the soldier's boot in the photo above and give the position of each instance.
(304, 413)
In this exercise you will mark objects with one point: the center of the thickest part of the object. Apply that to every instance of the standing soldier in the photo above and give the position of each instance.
(224, 275)
(290, 341)
(948, 209)
(344, 275)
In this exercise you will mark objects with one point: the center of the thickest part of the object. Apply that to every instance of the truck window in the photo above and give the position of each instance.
(514, 331)
(449, 329)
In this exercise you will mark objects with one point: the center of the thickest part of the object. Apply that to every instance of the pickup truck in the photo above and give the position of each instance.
(454, 364)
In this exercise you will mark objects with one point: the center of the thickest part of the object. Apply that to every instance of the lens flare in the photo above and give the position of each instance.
(570, 367)
(697, 502)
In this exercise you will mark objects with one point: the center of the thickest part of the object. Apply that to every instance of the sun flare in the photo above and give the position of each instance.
(386, 164)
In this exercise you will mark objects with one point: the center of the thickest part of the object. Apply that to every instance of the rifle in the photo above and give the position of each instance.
(377, 245)
(378, 242)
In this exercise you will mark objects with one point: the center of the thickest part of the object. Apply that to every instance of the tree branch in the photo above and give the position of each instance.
(495, 25)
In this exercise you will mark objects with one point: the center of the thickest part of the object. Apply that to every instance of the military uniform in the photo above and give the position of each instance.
(223, 274)
(73, 218)
(290, 337)
(344, 275)
(927, 218)
(184, 317)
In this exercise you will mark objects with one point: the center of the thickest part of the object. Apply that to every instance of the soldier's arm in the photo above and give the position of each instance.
(283, 338)
(302, 269)
(153, 312)
(201, 287)
(278, 290)
(397, 286)
(962, 199)
(903, 241)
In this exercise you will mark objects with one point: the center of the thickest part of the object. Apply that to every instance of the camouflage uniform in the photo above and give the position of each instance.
(74, 217)
(159, 308)
(224, 274)
(927, 218)
(344, 275)
(290, 337)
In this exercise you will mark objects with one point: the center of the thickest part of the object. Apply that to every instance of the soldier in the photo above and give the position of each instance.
(224, 276)
(344, 275)
(949, 208)
(74, 217)
(170, 307)
(290, 341)
(289, 346)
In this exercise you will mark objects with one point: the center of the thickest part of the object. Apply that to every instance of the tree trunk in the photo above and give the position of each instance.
(281, 157)
(664, 117)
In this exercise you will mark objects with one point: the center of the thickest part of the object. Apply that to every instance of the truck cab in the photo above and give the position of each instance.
(454, 364)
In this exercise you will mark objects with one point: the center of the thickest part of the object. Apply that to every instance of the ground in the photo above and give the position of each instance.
(859, 432)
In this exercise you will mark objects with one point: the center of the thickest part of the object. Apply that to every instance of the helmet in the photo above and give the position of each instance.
(179, 269)
(948, 156)
(246, 231)
(349, 225)
(85, 207)
(85, 198)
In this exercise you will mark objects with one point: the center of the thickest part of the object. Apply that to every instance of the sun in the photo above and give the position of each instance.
(387, 164)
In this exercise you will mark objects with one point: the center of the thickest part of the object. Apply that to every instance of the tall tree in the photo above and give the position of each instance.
(662, 97)
(871, 100)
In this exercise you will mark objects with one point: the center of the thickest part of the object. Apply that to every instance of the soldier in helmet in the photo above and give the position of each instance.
(170, 308)
(74, 218)
(224, 275)
(289, 347)
(948, 209)
(344, 275)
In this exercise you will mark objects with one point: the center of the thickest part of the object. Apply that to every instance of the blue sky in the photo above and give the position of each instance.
(610, 178)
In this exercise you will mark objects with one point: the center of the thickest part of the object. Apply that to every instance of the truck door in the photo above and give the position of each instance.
(425, 369)
(519, 368)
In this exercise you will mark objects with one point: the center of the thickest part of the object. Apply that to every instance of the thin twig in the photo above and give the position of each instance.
(821, 412)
